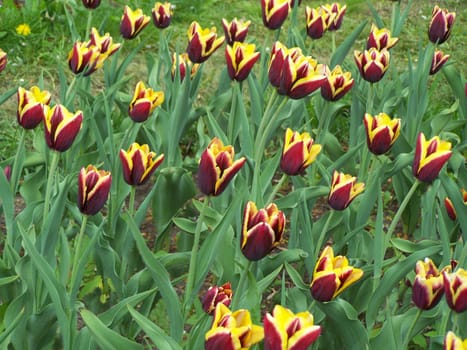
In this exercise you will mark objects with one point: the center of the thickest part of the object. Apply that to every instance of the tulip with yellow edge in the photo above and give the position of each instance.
(144, 102)
(162, 14)
(61, 127)
(455, 289)
(453, 342)
(441, 24)
(428, 287)
(240, 59)
(298, 153)
(274, 12)
(202, 43)
(380, 39)
(372, 63)
(236, 30)
(139, 163)
(344, 189)
(336, 84)
(132, 22)
(381, 132)
(31, 106)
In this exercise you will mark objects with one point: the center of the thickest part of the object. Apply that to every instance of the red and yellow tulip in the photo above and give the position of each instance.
(318, 21)
(162, 14)
(337, 11)
(61, 127)
(139, 163)
(298, 153)
(85, 58)
(336, 84)
(380, 39)
(344, 189)
(202, 42)
(428, 286)
(31, 106)
(91, 4)
(441, 24)
(381, 132)
(274, 12)
(3, 60)
(215, 295)
(455, 289)
(104, 43)
(144, 102)
(93, 189)
(372, 63)
(132, 22)
(240, 59)
(236, 30)
(184, 66)
(438, 61)
(453, 342)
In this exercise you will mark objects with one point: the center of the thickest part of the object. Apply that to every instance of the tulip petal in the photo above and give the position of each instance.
(304, 338)
(259, 242)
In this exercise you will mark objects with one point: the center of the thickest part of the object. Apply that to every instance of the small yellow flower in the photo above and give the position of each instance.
(23, 29)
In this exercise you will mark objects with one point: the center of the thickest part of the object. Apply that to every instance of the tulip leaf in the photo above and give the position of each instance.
(457, 83)
(187, 225)
(294, 198)
(343, 49)
(376, 16)
(6, 95)
(265, 282)
(452, 189)
(296, 277)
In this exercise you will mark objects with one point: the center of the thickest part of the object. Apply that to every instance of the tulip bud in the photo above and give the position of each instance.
(133, 22)
(103, 43)
(215, 295)
(380, 39)
(381, 132)
(455, 288)
(3, 60)
(274, 12)
(261, 231)
(336, 84)
(298, 152)
(318, 21)
(93, 189)
(91, 4)
(428, 287)
(7, 172)
(430, 156)
(31, 106)
(202, 42)
(438, 61)
(240, 59)
(453, 342)
(232, 330)
(332, 275)
(337, 14)
(217, 167)
(139, 163)
(286, 330)
(372, 63)
(440, 25)
(235, 30)
(344, 189)
(61, 127)
(450, 209)
(162, 14)
(184, 65)
(144, 102)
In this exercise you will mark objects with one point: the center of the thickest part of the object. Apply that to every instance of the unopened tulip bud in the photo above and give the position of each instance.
(450, 209)
(317, 21)
(372, 63)
(440, 25)
(184, 66)
(162, 14)
(61, 127)
(91, 4)
(139, 163)
(438, 61)
(381, 132)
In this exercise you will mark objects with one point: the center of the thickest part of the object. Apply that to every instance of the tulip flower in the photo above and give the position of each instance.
(274, 12)
(144, 101)
(455, 289)
(440, 25)
(7, 172)
(428, 286)
(279, 53)
(372, 63)
(344, 189)
(61, 127)
(381, 132)
(261, 231)
(298, 152)
(93, 189)
(162, 14)
(240, 59)
(139, 163)
(235, 30)
(232, 330)
(332, 275)
(380, 39)
(317, 21)
(184, 65)
(337, 13)
(430, 156)
(453, 342)
(284, 330)
(3, 60)
(202, 42)
(31, 106)
(217, 167)
(438, 61)
(85, 58)
(336, 84)
(215, 295)
(104, 43)
(91, 4)
(132, 22)
(450, 209)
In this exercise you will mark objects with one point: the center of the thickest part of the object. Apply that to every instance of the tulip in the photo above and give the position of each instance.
(298, 152)
(428, 286)
(438, 61)
(31, 106)
(372, 63)
(202, 42)
(338, 13)
(440, 25)
(453, 342)
(103, 43)
(85, 58)
(274, 12)
(133, 22)
(217, 167)
(184, 65)
(344, 189)
(3, 60)
(61, 127)
(215, 295)
(317, 21)
(139, 163)
(144, 101)
(380, 39)
(455, 288)
(279, 53)
(450, 209)
(93, 189)
(261, 231)
(91, 4)
(430, 156)
(232, 330)
(284, 330)
(381, 132)
(235, 30)
(336, 84)
(162, 14)
(7, 172)
(240, 60)
(332, 275)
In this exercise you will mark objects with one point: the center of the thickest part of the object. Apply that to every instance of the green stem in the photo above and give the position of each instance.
(322, 236)
(17, 167)
(370, 98)
(50, 183)
(333, 41)
(70, 89)
(88, 24)
(77, 255)
(412, 326)
(277, 188)
(131, 201)
(233, 113)
(444, 322)
(194, 258)
(241, 285)
(463, 255)
(401, 209)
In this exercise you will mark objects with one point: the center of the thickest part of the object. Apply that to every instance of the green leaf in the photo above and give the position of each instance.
(456, 81)
(7, 280)
(344, 48)
(266, 281)
(296, 277)
(6, 95)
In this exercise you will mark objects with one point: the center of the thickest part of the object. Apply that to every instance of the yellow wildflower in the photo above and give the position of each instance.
(23, 29)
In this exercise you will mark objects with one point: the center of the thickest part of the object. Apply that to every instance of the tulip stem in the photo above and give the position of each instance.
(77, 255)
(194, 257)
(401, 209)
(322, 236)
(70, 89)
(131, 201)
(277, 188)
(50, 182)
(17, 167)
(88, 24)
(370, 98)
(412, 326)
(241, 284)
(233, 112)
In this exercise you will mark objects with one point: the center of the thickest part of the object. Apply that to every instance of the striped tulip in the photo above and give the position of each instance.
(162, 14)
(336, 84)
(61, 127)
(104, 43)
(344, 189)
(184, 65)
(240, 59)
(202, 42)
(372, 63)
(453, 342)
(380, 39)
(381, 132)
(455, 289)
(441, 24)
(139, 163)
(236, 30)
(318, 21)
(3, 60)
(438, 61)
(144, 102)
(338, 13)
(274, 12)
(91, 4)
(284, 330)
(332, 275)
(428, 286)
(132, 22)
(85, 58)
(430, 157)
(215, 295)
(93, 189)
(31, 106)
(298, 152)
